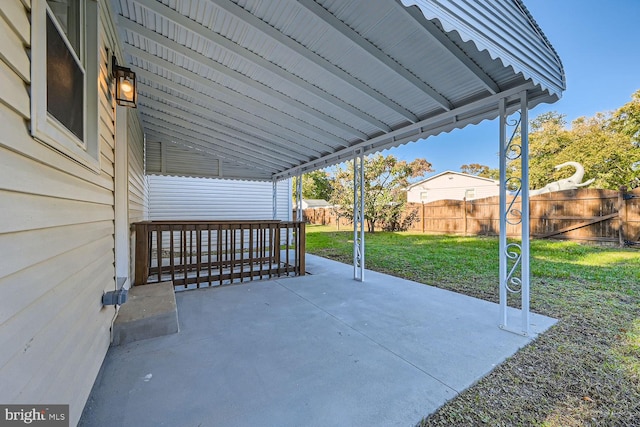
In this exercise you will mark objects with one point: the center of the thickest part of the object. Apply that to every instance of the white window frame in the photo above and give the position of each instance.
(46, 128)
(467, 190)
(424, 195)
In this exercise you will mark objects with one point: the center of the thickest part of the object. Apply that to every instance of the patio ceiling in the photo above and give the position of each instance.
(259, 90)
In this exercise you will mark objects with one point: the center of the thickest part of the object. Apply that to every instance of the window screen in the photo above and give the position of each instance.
(65, 83)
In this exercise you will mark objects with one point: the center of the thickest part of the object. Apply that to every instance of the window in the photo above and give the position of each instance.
(470, 193)
(423, 196)
(64, 77)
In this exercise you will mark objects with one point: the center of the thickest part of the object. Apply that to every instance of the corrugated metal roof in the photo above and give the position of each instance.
(273, 88)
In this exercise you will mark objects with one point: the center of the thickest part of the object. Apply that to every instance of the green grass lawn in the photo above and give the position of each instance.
(584, 371)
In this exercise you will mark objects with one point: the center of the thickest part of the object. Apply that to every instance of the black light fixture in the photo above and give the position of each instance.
(126, 93)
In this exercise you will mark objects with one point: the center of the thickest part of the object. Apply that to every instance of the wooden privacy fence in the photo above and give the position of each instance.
(196, 253)
(323, 216)
(604, 216)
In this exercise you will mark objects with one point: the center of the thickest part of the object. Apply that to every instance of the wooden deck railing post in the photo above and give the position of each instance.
(186, 253)
(141, 253)
(278, 246)
(301, 244)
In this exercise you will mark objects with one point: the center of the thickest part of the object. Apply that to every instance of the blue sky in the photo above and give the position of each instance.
(599, 45)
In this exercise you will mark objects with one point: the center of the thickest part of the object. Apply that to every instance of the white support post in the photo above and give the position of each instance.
(358, 216)
(514, 257)
(299, 197)
(503, 212)
(526, 230)
(274, 200)
(121, 206)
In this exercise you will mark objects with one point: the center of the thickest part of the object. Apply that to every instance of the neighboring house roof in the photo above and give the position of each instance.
(315, 203)
(267, 90)
(431, 178)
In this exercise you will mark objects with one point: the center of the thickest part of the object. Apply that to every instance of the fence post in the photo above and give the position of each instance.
(464, 215)
(622, 214)
(423, 218)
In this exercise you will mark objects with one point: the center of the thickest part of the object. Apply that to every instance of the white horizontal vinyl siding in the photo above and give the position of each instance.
(452, 186)
(56, 236)
(215, 199)
(138, 188)
(483, 191)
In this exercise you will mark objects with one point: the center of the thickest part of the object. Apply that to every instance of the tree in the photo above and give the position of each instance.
(385, 181)
(483, 171)
(474, 169)
(607, 145)
(315, 185)
(626, 119)
(548, 140)
(606, 153)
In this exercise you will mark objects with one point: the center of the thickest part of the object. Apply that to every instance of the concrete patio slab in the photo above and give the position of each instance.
(319, 350)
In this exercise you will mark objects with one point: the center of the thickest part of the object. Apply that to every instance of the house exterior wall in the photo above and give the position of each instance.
(315, 203)
(452, 186)
(56, 234)
(138, 188)
(219, 199)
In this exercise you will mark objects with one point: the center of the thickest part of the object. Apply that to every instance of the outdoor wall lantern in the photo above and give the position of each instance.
(126, 93)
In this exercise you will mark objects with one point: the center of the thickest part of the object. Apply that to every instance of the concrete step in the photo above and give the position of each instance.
(149, 312)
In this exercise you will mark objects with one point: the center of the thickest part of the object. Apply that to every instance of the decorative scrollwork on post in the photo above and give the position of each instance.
(514, 212)
(514, 187)
(513, 253)
(513, 215)
(513, 150)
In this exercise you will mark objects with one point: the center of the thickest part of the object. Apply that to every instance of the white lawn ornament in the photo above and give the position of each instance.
(571, 183)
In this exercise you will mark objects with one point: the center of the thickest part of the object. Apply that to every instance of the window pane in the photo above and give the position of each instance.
(67, 13)
(65, 83)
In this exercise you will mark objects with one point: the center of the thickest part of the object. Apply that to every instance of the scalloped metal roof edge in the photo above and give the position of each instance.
(471, 28)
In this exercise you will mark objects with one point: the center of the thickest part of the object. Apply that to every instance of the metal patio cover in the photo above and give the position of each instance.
(263, 90)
